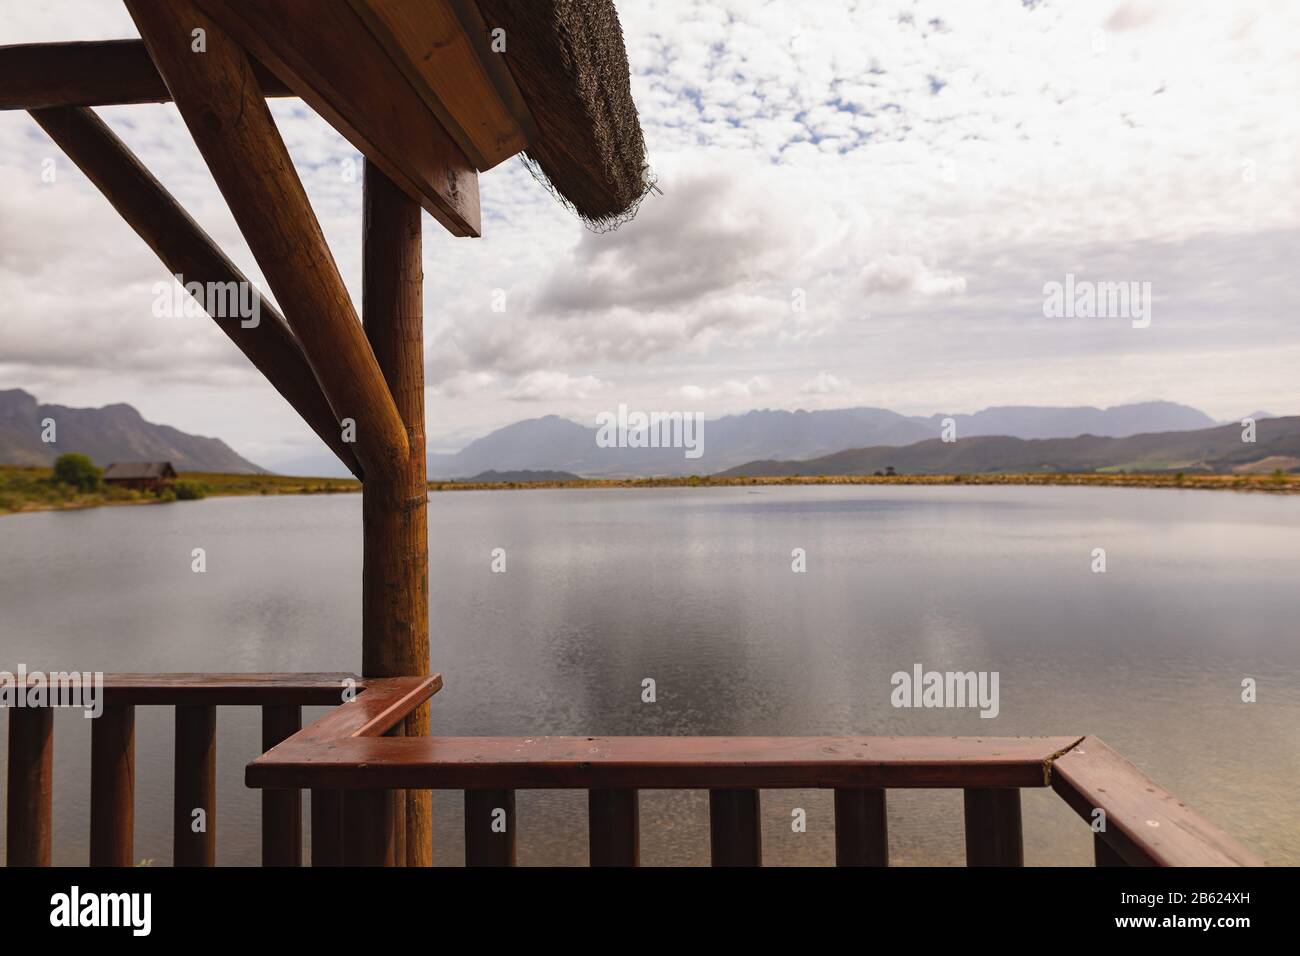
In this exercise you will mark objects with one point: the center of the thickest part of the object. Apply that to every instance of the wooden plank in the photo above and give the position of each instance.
(281, 809)
(735, 828)
(369, 834)
(386, 702)
(189, 252)
(324, 52)
(489, 827)
(319, 689)
(993, 829)
(233, 129)
(30, 786)
(112, 787)
(35, 76)
(1145, 824)
(326, 828)
(195, 786)
(661, 762)
(395, 566)
(614, 827)
(449, 64)
(861, 827)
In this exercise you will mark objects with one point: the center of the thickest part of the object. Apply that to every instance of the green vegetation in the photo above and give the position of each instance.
(78, 471)
(37, 489)
(40, 489)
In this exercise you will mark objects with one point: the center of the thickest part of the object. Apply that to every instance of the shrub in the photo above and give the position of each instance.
(189, 491)
(78, 471)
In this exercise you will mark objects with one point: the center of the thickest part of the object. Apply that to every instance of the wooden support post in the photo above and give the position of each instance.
(395, 575)
(217, 94)
(993, 834)
(327, 828)
(489, 828)
(187, 251)
(112, 786)
(735, 828)
(195, 787)
(369, 838)
(30, 786)
(614, 827)
(281, 809)
(861, 828)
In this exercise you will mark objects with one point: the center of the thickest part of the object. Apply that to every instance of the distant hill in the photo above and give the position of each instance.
(1220, 449)
(500, 477)
(108, 434)
(559, 444)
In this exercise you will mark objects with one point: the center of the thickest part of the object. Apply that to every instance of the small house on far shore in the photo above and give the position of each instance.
(149, 475)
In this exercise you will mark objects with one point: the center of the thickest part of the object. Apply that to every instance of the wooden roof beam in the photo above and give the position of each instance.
(189, 252)
(36, 76)
(325, 53)
(222, 105)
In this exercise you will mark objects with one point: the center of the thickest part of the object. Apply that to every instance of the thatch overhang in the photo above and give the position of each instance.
(568, 61)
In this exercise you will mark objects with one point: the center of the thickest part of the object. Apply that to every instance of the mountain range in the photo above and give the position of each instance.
(108, 434)
(766, 441)
(1222, 449)
(559, 444)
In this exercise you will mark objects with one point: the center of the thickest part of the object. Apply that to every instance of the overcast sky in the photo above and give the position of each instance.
(913, 173)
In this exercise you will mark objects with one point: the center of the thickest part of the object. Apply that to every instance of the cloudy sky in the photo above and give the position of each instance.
(861, 205)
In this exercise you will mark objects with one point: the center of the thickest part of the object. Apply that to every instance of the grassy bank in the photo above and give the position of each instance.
(1270, 483)
(33, 489)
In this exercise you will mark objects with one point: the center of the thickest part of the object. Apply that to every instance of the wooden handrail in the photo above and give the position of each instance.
(662, 762)
(1145, 825)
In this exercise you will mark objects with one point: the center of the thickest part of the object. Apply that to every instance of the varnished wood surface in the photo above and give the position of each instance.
(661, 762)
(37, 76)
(1145, 824)
(325, 53)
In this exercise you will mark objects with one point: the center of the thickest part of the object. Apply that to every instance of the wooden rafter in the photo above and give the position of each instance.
(221, 103)
(187, 251)
(36, 76)
(325, 53)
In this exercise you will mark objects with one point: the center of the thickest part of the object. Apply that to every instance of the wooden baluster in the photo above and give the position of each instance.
(327, 828)
(281, 809)
(613, 827)
(735, 830)
(861, 828)
(195, 786)
(993, 833)
(1103, 854)
(112, 786)
(369, 838)
(31, 773)
(489, 837)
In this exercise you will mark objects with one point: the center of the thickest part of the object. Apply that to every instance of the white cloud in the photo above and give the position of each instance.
(553, 386)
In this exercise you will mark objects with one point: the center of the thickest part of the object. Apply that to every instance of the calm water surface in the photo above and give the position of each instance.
(694, 588)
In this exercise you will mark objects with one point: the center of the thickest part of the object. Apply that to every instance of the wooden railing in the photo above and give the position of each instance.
(357, 764)
(379, 706)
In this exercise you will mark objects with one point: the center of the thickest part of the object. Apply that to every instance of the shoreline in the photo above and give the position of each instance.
(33, 491)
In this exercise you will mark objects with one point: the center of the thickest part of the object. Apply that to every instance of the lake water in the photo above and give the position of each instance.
(694, 588)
